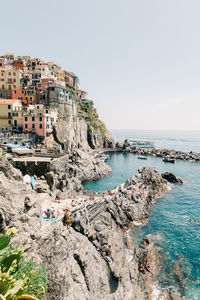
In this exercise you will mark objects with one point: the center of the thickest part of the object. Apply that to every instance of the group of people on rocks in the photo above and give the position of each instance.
(50, 213)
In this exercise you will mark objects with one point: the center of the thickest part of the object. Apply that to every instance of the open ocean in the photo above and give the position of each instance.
(172, 139)
(177, 239)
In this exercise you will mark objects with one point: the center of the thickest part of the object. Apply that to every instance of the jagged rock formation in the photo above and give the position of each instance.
(170, 177)
(68, 172)
(74, 133)
(74, 257)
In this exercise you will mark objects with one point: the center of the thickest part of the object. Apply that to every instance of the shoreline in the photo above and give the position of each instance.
(151, 283)
(152, 193)
(94, 225)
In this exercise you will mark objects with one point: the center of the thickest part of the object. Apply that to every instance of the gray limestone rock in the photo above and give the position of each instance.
(74, 258)
(170, 177)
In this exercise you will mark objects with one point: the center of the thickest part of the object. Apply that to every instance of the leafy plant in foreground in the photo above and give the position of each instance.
(19, 278)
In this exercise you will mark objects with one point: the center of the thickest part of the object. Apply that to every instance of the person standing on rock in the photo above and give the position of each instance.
(67, 220)
(108, 254)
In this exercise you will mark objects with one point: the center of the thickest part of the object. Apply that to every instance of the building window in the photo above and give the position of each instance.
(47, 119)
(9, 73)
(9, 106)
(38, 107)
(9, 121)
(40, 126)
(40, 119)
(47, 126)
(14, 74)
(33, 119)
(47, 111)
(26, 119)
(26, 125)
(33, 126)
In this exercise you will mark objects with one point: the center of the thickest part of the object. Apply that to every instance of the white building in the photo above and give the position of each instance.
(10, 79)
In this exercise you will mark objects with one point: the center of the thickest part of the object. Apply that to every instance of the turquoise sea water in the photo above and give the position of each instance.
(177, 239)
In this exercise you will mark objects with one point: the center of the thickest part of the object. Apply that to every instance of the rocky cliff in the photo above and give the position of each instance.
(81, 131)
(74, 258)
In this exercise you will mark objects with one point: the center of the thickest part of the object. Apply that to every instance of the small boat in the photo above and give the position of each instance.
(142, 157)
(169, 160)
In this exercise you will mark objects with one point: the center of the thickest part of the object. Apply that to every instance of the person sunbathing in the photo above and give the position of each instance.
(73, 203)
(48, 213)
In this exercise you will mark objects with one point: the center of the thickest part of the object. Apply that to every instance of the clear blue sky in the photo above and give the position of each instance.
(138, 59)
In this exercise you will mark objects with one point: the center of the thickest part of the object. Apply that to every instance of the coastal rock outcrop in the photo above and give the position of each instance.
(65, 173)
(170, 177)
(74, 258)
(74, 133)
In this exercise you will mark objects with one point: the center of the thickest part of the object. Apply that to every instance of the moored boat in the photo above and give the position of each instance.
(142, 157)
(168, 159)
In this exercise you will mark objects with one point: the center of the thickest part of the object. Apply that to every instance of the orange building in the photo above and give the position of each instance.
(69, 78)
(18, 65)
(18, 94)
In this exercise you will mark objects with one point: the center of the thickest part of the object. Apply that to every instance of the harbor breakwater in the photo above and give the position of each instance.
(173, 154)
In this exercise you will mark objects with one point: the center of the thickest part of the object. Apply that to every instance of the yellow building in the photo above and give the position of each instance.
(8, 108)
(10, 79)
(61, 75)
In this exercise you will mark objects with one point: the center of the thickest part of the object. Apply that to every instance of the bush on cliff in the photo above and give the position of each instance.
(87, 111)
(19, 278)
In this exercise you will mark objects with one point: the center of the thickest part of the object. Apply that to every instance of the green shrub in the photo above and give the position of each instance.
(19, 278)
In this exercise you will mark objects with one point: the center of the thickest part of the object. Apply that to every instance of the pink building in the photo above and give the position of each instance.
(43, 85)
(39, 120)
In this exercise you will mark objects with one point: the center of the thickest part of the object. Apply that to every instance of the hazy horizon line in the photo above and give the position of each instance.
(130, 129)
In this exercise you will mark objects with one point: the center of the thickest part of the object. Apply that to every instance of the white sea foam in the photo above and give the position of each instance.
(169, 187)
(137, 223)
(156, 293)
